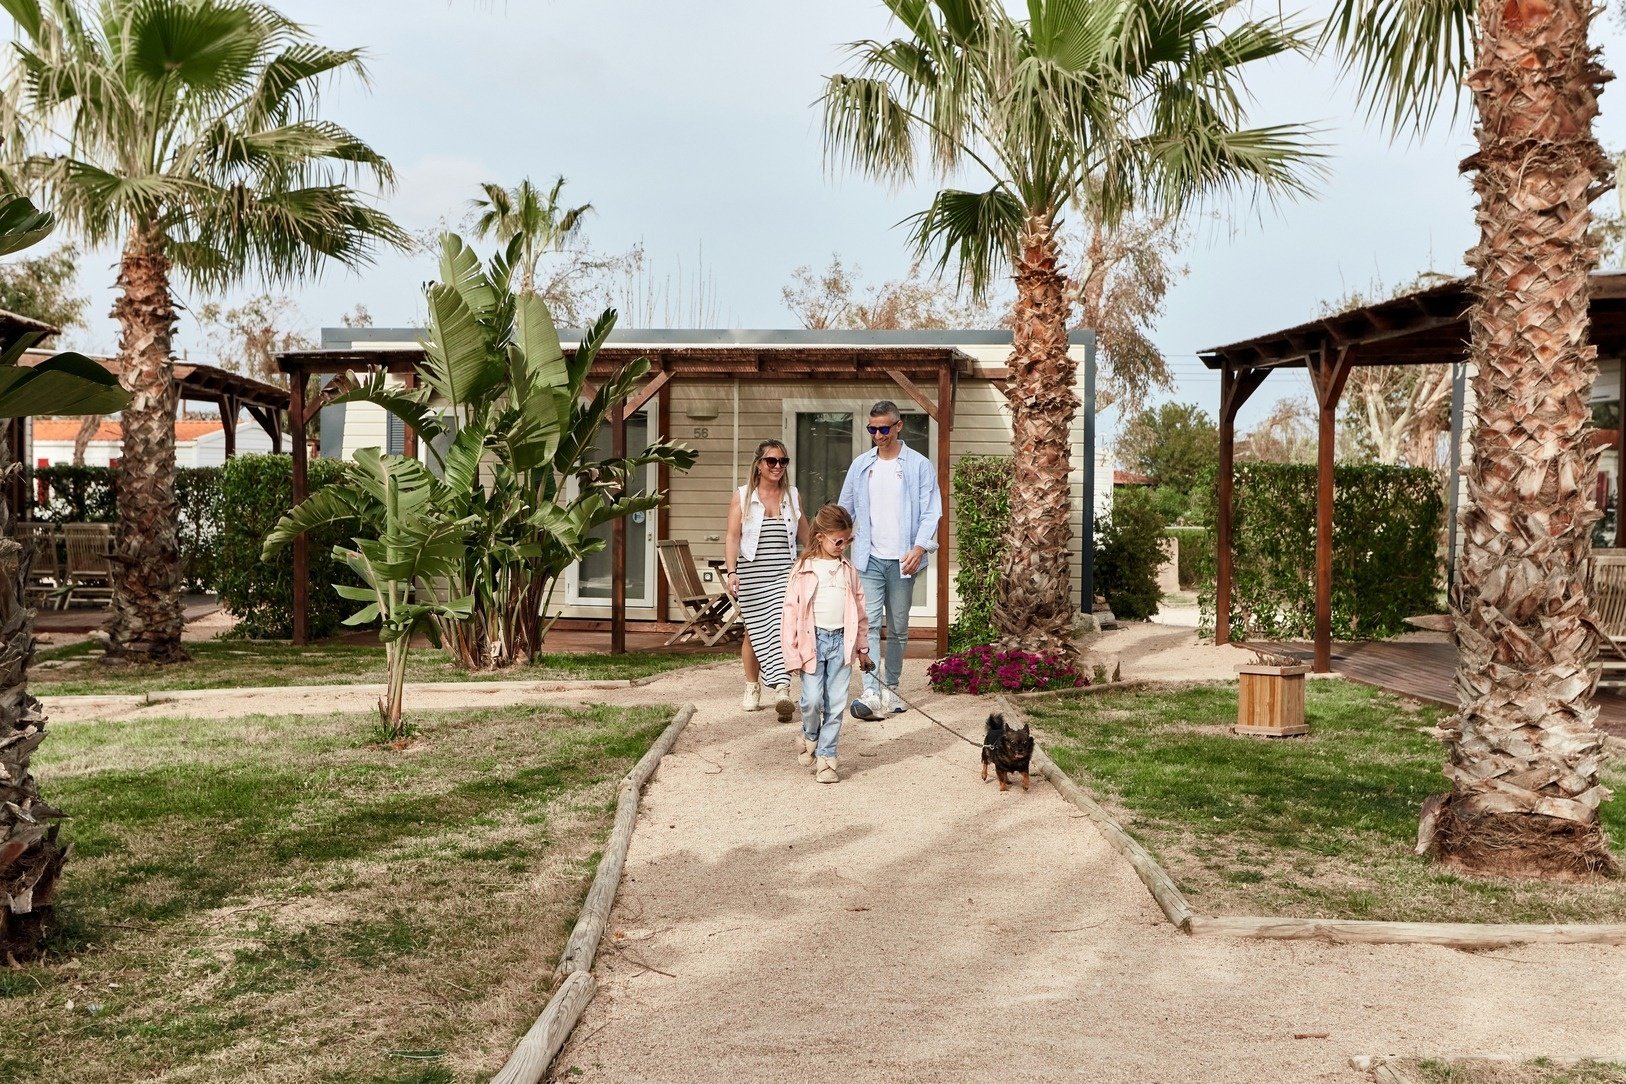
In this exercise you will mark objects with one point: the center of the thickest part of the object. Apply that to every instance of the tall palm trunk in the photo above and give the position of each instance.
(147, 616)
(30, 857)
(1035, 607)
(1524, 754)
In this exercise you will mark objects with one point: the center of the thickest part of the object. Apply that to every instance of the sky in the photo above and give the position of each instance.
(692, 129)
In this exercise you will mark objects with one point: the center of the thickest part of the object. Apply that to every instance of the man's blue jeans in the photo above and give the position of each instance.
(824, 692)
(886, 588)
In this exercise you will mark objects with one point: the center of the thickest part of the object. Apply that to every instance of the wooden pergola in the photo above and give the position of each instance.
(1429, 327)
(926, 374)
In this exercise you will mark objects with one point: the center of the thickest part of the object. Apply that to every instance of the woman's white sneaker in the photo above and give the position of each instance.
(752, 701)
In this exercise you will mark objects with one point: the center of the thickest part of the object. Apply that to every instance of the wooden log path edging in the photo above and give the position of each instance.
(1382, 1067)
(536, 1051)
(1274, 928)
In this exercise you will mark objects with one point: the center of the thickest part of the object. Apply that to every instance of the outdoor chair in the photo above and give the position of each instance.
(87, 572)
(1609, 603)
(710, 617)
(39, 544)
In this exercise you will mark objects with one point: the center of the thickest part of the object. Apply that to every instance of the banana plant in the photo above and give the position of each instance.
(509, 425)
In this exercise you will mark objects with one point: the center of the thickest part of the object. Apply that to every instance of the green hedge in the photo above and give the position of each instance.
(255, 492)
(1196, 551)
(86, 495)
(1386, 527)
(1128, 552)
(982, 510)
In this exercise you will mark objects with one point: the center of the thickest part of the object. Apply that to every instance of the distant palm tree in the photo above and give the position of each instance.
(524, 212)
(1113, 103)
(1524, 753)
(188, 131)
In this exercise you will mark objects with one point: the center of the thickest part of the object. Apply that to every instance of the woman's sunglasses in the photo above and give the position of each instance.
(883, 430)
(776, 461)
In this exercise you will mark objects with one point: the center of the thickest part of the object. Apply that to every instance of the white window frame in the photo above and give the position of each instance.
(651, 525)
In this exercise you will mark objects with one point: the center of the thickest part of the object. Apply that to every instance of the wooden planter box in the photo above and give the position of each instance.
(1270, 701)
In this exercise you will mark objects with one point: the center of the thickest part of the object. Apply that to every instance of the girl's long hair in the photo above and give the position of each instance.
(830, 519)
(757, 468)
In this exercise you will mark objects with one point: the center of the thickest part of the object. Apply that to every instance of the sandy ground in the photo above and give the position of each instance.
(1164, 652)
(913, 924)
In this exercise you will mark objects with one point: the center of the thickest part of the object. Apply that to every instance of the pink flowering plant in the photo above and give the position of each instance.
(985, 669)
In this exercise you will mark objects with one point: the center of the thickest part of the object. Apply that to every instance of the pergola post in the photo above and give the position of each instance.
(296, 423)
(663, 482)
(409, 439)
(1329, 369)
(945, 432)
(228, 423)
(618, 543)
(1235, 388)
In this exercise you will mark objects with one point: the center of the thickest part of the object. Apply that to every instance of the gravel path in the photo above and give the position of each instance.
(914, 924)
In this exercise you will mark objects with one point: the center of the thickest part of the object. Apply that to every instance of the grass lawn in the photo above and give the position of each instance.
(75, 669)
(272, 898)
(1425, 1071)
(1321, 826)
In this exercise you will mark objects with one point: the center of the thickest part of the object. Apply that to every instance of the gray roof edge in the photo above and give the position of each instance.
(340, 337)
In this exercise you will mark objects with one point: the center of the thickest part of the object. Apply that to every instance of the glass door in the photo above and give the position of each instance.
(593, 580)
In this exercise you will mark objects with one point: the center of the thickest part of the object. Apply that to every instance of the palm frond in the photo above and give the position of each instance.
(868, 129)
(975, 231)
(1410, 56)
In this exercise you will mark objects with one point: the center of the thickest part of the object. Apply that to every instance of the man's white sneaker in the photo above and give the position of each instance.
(752, 700)
(867, 706)
(894, 706)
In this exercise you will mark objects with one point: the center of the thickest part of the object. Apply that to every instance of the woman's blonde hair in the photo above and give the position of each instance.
(828, 520)
(757, 468)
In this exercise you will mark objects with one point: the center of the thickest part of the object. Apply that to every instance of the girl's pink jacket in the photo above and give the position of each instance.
(797, 639)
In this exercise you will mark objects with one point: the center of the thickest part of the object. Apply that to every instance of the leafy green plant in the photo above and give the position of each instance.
(982, 508)
(1129, 548)
(516, 486)
(255, 492)
(1386, 524)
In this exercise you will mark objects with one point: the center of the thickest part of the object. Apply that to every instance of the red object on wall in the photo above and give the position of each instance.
(41, 492)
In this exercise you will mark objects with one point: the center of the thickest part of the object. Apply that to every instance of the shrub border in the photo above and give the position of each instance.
(541, 1044)
(1270, 927)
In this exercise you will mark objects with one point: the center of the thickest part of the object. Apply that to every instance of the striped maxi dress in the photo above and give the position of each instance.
(763, 582)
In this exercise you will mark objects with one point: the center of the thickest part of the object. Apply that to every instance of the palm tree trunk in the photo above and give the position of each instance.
(1035, 608)
(30, 857)
(147, 616)
(1524, 754)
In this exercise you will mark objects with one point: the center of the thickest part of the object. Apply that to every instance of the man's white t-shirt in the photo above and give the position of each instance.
(886, 539)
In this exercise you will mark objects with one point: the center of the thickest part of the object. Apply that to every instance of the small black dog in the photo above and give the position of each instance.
(1007, 750)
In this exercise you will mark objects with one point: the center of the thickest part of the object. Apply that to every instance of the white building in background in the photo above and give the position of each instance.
(199, 442)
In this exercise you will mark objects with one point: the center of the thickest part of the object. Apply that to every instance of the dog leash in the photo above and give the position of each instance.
(928, 715)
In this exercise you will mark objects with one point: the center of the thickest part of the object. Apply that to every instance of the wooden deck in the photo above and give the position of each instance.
(1422, 671)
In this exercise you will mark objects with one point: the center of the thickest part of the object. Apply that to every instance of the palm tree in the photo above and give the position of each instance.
(1115, 102)
(524, 212)
(31, 859)
(188, 131)
(1524, 754)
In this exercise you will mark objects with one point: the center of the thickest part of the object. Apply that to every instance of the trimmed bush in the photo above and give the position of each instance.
(1129, 549)
(1385, 562)
(982, 510)
(983, 669)
(255, 492)
(1196, 552)
(87, 495)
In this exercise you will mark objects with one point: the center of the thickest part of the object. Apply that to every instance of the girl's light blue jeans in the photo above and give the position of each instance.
(824, 692)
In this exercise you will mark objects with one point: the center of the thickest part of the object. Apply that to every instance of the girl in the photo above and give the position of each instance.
(765, 525)
(822, 628)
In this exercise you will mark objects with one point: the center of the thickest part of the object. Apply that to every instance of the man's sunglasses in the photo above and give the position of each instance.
(883, 430)
(776, 461)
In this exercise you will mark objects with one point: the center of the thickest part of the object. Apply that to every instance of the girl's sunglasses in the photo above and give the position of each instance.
(838, 541)
(776, 461)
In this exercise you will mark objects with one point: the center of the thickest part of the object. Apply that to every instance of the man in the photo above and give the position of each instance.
(891, 493)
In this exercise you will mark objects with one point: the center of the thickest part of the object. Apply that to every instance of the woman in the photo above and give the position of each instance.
(765, 525)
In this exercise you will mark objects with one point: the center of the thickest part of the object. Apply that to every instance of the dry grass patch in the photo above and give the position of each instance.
(275, 899)
(1321, 826)
(1537, 1071)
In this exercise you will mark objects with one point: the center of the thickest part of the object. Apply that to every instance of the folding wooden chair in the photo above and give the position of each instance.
(87, 571)
(1609, 604)
(710, 617)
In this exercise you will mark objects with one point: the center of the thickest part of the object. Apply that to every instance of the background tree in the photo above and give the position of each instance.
(1286, 435)
(247, 338)
(45, 287)
(1524, 751)
(188, 132)
(1177, 446)
(1116, 105)
(531, 215)
(837, 298)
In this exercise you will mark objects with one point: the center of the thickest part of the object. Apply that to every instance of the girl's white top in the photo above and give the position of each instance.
(830, 600)
(751, 516)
